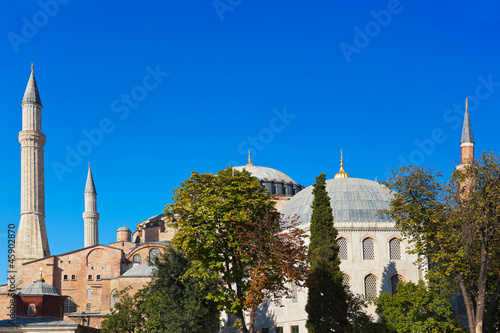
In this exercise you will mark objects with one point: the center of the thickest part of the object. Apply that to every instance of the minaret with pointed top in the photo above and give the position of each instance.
(341, 173)
(31, 239)
(467, 142)
(90, 215)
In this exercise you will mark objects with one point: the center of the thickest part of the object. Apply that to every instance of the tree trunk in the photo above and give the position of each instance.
(491, 306)
(468, 307)
(240, 317)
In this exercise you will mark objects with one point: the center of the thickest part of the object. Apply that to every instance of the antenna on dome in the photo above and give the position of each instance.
(249, 158)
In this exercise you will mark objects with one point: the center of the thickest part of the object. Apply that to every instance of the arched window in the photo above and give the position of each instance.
(342, 248)
(370, 287)
(368, 249)
(114, 298)
(137, 259)
(153, 253)
(89, 293)
(32, 310)
(345, 280)
(395, 279)
(394, 249)
(69, 305)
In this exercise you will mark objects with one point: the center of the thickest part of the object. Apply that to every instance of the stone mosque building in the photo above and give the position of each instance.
(372, 250)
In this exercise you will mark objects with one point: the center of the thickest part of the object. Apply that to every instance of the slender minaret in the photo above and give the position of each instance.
(31, 239)
(467, 142)
(90, 215)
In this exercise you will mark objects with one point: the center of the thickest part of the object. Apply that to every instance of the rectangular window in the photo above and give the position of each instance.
(295, 329)
(279, 329)
(89, 307)
(265, 330)
(98, 277)
(73, 277)
(65, 277)
(89, 277)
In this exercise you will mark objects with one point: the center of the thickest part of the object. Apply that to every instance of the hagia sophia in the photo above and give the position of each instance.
(73, 291)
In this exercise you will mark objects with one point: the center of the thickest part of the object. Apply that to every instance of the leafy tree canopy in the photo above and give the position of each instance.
(230, 229)
(168, 304)
(455, 225)
(415, 308)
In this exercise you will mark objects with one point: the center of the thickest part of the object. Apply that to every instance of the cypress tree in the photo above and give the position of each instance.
(327, 299)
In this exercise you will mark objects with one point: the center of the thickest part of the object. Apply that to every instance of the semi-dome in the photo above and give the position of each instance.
(140, 270)
(39, 288)
(352, 200)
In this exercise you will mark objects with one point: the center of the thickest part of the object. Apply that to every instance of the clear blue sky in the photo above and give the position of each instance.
(295, 81)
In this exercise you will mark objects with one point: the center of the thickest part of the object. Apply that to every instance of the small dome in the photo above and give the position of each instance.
(140, 270)
(124, 228)
(39, 288)
(352, 200)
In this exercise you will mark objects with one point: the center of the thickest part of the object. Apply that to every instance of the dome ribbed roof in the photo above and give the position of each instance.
(352, 200)
(266, 174)
(140, 270)
(124, 228)
(39, 288)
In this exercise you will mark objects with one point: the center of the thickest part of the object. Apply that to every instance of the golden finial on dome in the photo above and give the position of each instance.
(41, 277)
(249, 158)
(32, 66)
(341, 173)
(466, 103)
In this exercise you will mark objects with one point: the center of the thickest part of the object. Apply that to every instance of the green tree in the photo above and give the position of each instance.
(327, 302)
(126, 316)
(230, 229)
(168, 304)
(455, 226)
(415, 308)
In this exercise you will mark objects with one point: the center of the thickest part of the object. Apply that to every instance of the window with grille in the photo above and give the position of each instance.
(370, 287)
(98, 277)
(395, 279)
(294, 329)
(90, 277)
(137, 259)
(89, 293)
(368, 249)
(394, 249)
(153, 253)
(342, 248)
(73, 277)
(345, 280)
(89, 307)
(114, 298)
(32, 310)
(69, 305)
(279, 329)
(65, 277)
(265, 330)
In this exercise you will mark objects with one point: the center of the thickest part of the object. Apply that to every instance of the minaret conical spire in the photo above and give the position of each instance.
(90, 187)
(467, 142)
(467, 129)
(31, 94)
(90, 215)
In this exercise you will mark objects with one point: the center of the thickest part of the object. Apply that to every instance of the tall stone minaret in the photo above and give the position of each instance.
(31, 239)
(467, 142)
(90, 215)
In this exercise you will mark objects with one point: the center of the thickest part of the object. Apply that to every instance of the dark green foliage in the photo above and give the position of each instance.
(415, 308)
(327, 303)
(168, 303)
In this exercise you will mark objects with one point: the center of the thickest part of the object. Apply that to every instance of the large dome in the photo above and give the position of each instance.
(352, 200)
(275, 181)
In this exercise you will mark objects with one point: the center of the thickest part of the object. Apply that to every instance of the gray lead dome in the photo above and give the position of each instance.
(39, 288)
(275, 181)
(352, 200)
